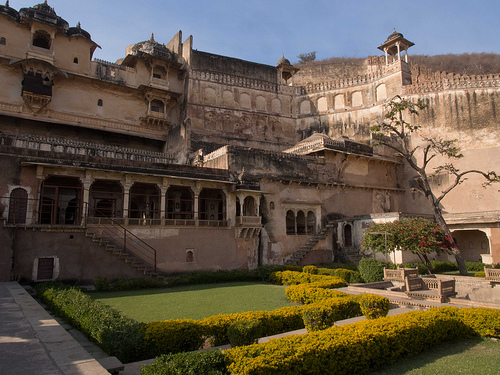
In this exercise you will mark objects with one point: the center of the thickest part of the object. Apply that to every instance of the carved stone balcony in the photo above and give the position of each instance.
(40, 54)
(35, 102)
(159, 83)
(248, 220)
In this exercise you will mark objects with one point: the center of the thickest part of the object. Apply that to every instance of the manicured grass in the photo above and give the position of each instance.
(195, 301)
(475, 356)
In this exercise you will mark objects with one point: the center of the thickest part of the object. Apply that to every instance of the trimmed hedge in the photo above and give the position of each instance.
(294, 278)
(373, 306)
(363, 346)
(117, 335)
(313, 292)
(371, 270)
(324, 314)
(210, 362)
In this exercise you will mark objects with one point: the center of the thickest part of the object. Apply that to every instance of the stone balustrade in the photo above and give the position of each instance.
(492, 274)
(65, 146)
(399, 274)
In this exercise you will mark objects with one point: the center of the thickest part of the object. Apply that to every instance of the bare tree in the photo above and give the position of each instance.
(307, 57)
(394, 132)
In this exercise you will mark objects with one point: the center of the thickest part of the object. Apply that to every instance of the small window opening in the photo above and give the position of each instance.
(75, 60)
(41, 39)
(3, 41)
(189, 256)
(157, 106)
(99, 103)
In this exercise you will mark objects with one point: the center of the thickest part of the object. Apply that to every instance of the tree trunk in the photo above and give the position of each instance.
(462, 268)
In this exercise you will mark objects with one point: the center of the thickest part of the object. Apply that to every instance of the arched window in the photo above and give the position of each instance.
(290, 222)
(311, 223)
(347, 235)
(3, 41)
(301, 223)
(18, 206)
(75, 60)
(249, 207)
(189, 256)
(41, 39)
(99, 102)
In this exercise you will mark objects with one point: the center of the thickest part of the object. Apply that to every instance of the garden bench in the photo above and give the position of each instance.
(429, 288)
(399, 274)
(492, 274)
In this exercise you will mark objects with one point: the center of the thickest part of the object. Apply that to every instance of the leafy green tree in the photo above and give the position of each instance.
(395, 133)
(418, 236)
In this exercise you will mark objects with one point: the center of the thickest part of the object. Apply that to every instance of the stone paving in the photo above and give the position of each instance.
(33, 343)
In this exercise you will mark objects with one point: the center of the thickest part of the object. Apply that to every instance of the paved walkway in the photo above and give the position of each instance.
(33, 343)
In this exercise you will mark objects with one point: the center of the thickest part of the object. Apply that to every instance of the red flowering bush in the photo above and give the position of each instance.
(416, 235)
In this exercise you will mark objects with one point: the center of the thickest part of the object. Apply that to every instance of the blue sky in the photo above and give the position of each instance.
(261, 31)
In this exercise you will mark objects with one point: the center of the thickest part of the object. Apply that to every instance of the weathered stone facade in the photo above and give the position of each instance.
(173, 159)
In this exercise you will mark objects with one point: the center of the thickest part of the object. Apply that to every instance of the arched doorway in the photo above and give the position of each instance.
(347, 235)
(290, 222)
(18, 206)
(180, 202)
(106, 199)
(144, 204)
(301, 223)
(249, 207)
(60, 200)
(212, 206)
(474, 245)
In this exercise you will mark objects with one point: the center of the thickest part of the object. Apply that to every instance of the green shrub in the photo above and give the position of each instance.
(351, 349)
(294, 278)
(310, 269)
(117, 335)
(474, 266)
(102, 284)
(319, 316)
(480, 274)
(313, 292)
(244, 332)
(371, 270)
(174, 336)
(332, 265)
(373, 306)
(443, 266)
(210, 362)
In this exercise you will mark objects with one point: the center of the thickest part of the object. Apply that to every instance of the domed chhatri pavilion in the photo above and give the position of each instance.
(174, 160)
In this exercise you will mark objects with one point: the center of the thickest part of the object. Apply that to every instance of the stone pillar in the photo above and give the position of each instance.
(399, 52)
(197, 191)
(163, 200)
(386, 57)
(126, 198)
(87, 182)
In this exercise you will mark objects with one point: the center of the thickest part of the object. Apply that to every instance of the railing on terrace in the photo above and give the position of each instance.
(24, 212)
(399, 274)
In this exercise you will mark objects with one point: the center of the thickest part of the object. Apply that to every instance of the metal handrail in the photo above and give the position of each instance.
(149, 249)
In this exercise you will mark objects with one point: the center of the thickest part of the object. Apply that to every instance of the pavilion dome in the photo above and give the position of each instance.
(78, 31)
(283, 61)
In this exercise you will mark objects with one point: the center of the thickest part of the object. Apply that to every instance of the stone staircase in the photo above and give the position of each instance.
(353, 255)
(117, 250)
(295, 258)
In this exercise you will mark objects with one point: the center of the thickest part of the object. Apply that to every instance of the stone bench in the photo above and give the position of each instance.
(430, 288)
(399, 274)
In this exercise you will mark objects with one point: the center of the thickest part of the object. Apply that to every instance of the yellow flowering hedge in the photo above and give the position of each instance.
(294, 278)
(313, 292)
(323, 314)
(360, 347)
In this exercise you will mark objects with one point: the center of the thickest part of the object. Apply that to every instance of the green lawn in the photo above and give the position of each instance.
(475, 356)
(195, 301)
